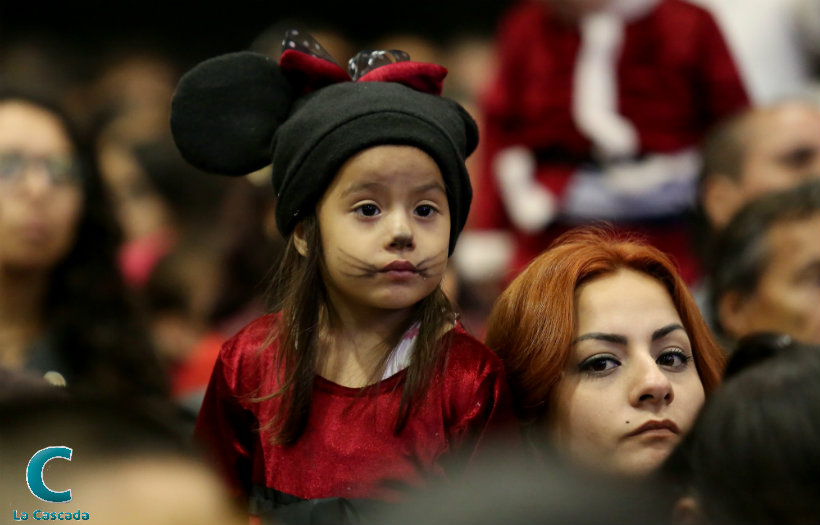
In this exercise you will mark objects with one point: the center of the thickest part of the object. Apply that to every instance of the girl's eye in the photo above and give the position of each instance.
(598, 364)
(674, 359)
(425, 210)
(367, 210)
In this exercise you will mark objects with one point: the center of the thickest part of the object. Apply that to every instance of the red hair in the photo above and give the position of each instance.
(532, 323)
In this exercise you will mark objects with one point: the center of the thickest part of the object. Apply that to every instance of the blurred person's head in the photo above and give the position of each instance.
(759, 151)
(133, 77)
(192, 207)
(59, 241)
(607, 355)
(420, 47)
(41, 186)
(504, 488)
(129, 462)
(752, 455)
(139, 206)
(470, 61)
(766, 267)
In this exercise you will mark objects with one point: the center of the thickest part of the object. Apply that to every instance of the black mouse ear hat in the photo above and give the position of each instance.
(239, 112)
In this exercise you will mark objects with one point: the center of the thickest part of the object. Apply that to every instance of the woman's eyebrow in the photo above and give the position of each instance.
(600, 336)
(621, 340)
(666, 330)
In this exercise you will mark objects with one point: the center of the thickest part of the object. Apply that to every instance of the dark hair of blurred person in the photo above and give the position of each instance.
(752, 455)
(765, 273)
(63, 307)
(507, 488)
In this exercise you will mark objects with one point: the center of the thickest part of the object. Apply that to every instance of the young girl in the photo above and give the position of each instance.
(362, 382)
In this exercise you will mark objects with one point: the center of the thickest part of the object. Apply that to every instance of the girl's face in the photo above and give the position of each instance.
(630, 388)
(40, 187)
(385, 227)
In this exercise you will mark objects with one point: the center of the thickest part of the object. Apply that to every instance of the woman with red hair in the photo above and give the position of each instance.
(606, 352)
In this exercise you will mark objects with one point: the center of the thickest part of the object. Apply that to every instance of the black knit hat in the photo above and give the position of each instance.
(236, 113)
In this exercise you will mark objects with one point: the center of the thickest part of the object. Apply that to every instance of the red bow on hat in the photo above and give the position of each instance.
(309, 67)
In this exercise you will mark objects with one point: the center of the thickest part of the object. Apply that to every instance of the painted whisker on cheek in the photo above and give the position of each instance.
(434, 263)
(359, 267)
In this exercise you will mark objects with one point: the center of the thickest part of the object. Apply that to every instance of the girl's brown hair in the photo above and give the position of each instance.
(532, 324)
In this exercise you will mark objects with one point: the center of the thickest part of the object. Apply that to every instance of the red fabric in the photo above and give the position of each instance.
(308, 73)
(427, 78)
(137, 257)
(349, 449)
(676, 78)
(193, 374)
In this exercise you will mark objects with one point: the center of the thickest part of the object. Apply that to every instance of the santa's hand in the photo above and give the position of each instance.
(530, 206)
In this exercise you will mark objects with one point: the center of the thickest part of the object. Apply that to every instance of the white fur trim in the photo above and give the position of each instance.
(400, 356)
(595, 91)
(529, 205)
(482, 254)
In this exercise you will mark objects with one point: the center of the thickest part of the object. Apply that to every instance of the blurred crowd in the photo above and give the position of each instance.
(123, 269)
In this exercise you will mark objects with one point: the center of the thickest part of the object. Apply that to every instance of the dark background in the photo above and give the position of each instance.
(191, 32)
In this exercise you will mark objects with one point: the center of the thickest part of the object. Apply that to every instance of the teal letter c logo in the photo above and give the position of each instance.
(34, 474)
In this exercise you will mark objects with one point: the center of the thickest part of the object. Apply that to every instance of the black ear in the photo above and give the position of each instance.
(226, 110)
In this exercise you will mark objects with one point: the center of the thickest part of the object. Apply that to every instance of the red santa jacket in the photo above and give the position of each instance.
(675, 78)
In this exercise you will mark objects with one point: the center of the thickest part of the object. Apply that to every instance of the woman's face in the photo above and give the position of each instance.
(41, 196)
(630, 388)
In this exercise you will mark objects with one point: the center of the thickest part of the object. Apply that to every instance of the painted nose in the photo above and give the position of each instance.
(650, 385)
(400, 233)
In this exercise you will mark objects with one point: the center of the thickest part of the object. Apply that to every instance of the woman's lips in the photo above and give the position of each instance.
(34, 231)
(656, 428)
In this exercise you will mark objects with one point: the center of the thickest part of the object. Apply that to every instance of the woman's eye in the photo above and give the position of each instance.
(367, 210)
(599, 364)
(673, 359)
(425, 210)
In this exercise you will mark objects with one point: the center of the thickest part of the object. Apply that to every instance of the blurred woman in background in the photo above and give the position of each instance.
(64, 311)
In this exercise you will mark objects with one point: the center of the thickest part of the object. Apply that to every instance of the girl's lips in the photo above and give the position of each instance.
(399, 266)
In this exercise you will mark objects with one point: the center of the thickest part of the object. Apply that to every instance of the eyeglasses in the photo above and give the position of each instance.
(62, 170)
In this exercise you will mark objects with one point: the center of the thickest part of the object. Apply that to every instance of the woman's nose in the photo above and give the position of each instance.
(650, 385)
(35, 180)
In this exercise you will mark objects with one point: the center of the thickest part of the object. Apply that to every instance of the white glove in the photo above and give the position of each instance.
(530, 206)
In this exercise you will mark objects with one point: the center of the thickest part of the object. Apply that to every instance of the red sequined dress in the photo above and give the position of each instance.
(349, 448)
